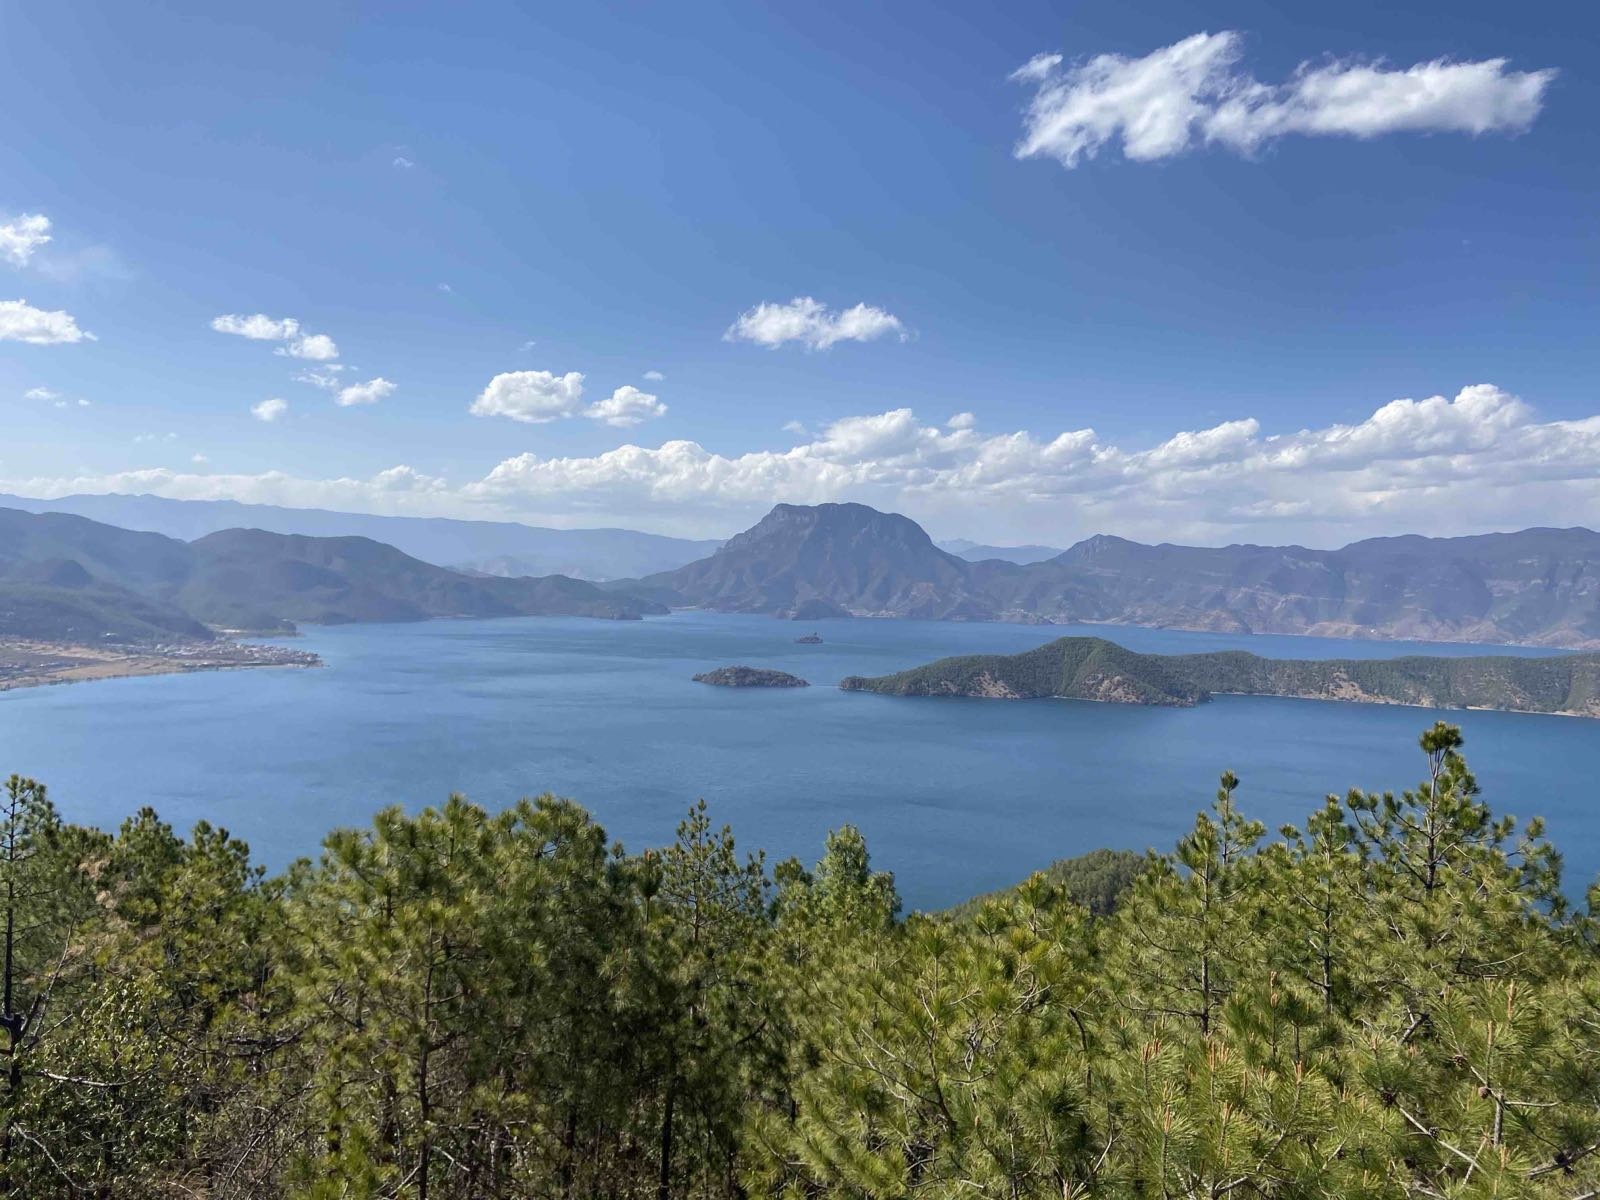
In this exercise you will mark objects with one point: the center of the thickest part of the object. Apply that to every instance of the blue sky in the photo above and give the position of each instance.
(1170, 335)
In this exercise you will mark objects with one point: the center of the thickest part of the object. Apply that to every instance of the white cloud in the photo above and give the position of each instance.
(654, 376)
(315, 347)
(404, 163)
(1480, 460)
(21, 322)
(20, 237)
(140, 439)
(40, 393)
(199, 460)
(1192, 93)
(369, 392)
(795, 427)
(812, 323)
(962, 420)
(258, 327)
(446, 288)
(532, 397)
(318, 347)
(269, 410)
(326, 377)
(625, 407)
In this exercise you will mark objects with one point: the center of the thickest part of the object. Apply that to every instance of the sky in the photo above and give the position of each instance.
(1193, 273)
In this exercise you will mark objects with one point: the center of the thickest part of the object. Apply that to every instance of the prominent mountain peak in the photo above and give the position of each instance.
(806, 560)
(801, 522)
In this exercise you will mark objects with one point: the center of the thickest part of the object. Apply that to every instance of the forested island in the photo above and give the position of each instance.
(1088, 668)
(750, 677)
(1392, 999)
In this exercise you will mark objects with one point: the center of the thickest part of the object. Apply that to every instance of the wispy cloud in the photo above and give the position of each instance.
(258, 327)
(1193, 93)
(269, 410)
(812, 324)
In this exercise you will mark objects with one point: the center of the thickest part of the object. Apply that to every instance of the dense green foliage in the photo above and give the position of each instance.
(1098, 880)
(1090, 668)
(1392, 1000)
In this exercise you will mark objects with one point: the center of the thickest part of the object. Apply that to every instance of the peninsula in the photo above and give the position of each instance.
(750, 677)
(1089, 668)
(28, 663)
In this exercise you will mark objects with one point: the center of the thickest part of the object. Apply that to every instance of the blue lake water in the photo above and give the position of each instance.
(955, 796)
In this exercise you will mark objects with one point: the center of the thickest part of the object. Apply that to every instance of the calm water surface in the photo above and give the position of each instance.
(955, 796)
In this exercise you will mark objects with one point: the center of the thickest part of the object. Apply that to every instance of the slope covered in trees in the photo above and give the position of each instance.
(1391, 1000)
(64, 577)
(1080, 668)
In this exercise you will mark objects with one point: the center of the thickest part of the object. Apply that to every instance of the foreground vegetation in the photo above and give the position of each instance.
(1392, 1000)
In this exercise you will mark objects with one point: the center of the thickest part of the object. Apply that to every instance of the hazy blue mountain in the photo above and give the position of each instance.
(492, 547)
(977, 552)
(60, 572)
(1536, 587)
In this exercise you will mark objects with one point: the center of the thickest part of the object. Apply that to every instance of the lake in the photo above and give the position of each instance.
(955, 796)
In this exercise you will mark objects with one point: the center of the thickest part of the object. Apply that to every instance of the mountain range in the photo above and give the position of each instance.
(1535, 587)
(67, 578)
(488, 547)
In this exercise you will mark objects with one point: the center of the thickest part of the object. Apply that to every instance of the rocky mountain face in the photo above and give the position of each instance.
(1536, 587)
(825, 560)
(64, 577)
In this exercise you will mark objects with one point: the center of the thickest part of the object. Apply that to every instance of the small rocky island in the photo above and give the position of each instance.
(750, 677)
(810, 639)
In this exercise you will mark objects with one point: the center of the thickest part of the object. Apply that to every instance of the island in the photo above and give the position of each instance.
(810, 639)
(750, 677)
(1090, 668)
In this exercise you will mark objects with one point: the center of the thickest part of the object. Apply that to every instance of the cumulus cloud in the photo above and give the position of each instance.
(318, 347)
(962, 420)
(812, 324)
(1480, 459)
(625, 407)
(258, 327)
(21, 236)
(370, 392)
(531, 397)
(654, 376)
(400, 490)
(1193, 92)
(40, 393)
(21, 322)
(269, 410)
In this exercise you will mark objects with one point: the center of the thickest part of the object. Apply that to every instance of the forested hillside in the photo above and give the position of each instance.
(66, 578)
(1081, 668)
(1391, 1000)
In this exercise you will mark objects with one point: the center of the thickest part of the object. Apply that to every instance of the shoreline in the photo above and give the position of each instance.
(29, 664)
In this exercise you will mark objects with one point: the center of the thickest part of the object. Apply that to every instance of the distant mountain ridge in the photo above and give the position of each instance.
(492, 547)
(1534, 587)
(65, 577)
(1087, 668)
(977, 551)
